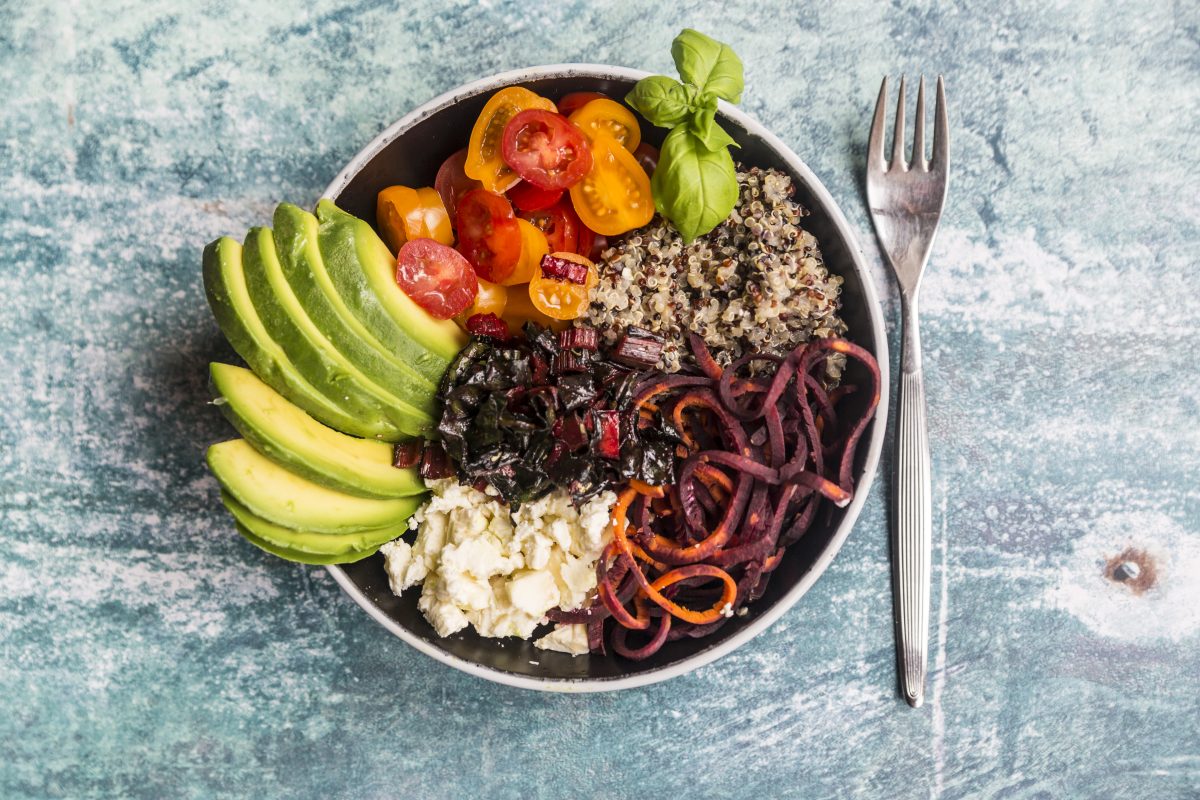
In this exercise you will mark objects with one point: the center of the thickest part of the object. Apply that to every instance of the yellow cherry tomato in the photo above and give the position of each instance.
(485, 162)
(533, 247)
(559, 298)
(491, 298)
(520, 309)
(404, 214)
(614, 197)
(610, 117)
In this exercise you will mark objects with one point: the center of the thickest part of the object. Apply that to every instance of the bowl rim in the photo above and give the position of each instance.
(874, 445)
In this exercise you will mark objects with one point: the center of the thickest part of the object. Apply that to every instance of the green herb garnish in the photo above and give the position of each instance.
(695, 185)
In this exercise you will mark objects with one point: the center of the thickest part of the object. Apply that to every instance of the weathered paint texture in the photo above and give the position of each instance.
(146, 651)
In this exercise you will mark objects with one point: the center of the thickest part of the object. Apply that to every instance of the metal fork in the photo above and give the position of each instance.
(906, 200)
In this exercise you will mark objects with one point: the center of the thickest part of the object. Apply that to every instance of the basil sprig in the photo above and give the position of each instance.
(695, 184)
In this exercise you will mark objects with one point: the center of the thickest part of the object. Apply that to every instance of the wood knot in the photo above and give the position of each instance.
(1133, 568)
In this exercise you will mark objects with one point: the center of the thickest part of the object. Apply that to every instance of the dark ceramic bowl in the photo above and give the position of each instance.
(409, 152)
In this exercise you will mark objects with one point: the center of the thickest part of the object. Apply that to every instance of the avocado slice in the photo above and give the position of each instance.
(363, 271)
(225, 285)
(304, 268)
(297, 555)
(309, 542)
(278, 495)
(285, 434)
(315, 357)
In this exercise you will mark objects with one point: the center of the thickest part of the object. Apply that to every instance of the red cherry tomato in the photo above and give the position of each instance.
(647, 156)
(527, 197)
(452, 183)
(559, 223)
(587, 241)
(436, 277)
(488, 234)
(545, 149)
(570, 103)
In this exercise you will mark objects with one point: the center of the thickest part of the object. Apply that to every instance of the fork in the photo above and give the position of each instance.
(906, 200)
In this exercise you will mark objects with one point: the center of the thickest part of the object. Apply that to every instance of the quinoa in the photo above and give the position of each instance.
(755, 283)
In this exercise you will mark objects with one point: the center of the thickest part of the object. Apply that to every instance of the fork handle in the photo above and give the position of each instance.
(913, 517)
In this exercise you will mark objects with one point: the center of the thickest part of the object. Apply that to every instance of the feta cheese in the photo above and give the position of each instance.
(397, 559)
(571, 639)
(497, 571)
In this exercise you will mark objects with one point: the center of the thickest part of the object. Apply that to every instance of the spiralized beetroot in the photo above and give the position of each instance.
(757, 458)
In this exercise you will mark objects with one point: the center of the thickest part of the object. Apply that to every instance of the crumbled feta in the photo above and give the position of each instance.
(500, 572)
(571, 639)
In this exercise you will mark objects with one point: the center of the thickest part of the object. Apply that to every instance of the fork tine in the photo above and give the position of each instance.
(875, 142)
(918, 152)
(941, 130)
(898, 134)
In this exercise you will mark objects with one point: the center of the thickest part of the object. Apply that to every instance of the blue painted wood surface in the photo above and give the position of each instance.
(146, 651)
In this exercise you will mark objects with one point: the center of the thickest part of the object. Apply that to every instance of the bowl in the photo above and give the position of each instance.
(409, 152)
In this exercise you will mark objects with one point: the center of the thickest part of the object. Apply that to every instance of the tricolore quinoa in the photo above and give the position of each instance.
(756, 283)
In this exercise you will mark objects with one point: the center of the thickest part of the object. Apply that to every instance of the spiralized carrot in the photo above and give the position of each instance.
(758, 455)
(652, 590)
(644, 488)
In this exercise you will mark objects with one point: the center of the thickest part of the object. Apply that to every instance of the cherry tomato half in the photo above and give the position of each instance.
(404, 214)
(615, 196)
(587, 242)
(452, 183)
(520, 309)
(599, 245)
(527, 197)
(489, 299)
(488, 234)
(485, 162)
(436, 277)
(545, 149)
(647, 156)
(533, 247)
(570, 103)
(610, 117)
(559, 223)
(562, 299)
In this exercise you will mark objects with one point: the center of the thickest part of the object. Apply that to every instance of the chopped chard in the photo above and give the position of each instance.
(582, 338)
(560, 269)
(567, 362)
(488, 325)
(608, 434)
(406, 455)
(638, 348)
(539, 412)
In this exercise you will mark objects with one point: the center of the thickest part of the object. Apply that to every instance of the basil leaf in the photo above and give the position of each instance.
(704, 126)
(661, 100)
(695, 188)
(708, 65)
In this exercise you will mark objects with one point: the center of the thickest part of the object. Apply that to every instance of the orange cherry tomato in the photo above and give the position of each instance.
(533, 247)
(491, 298)
(520, 309)
(614, 197)
(485, 159)
(610, 117)
(404, 214)
(558, 298)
